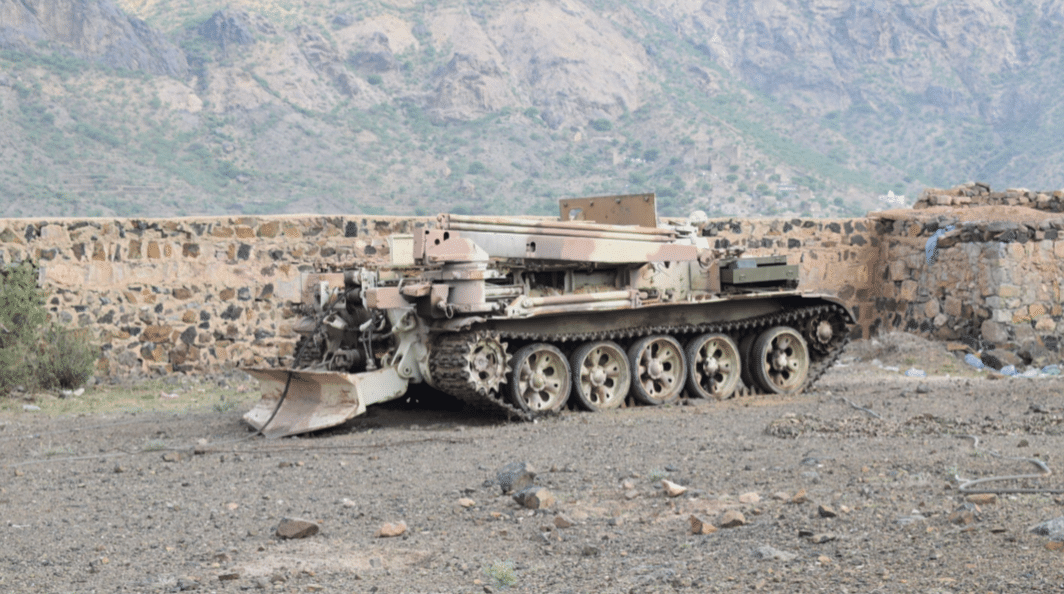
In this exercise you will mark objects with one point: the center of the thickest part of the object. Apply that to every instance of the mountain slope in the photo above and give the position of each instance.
(775, 106)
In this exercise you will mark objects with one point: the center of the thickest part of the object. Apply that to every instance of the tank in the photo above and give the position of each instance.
(525, 316)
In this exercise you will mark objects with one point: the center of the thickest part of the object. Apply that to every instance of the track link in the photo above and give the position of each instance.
(449, 366)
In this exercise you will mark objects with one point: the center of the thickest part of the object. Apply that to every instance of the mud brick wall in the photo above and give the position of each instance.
(202, 295)
(995, 281)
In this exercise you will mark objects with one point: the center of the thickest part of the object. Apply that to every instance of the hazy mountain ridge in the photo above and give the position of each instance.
(785, 106)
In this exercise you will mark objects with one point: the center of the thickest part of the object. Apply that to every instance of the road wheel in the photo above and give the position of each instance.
(746, 346)
(539, 381)
(714, 366)
(601, 376)
(658, 368)
(780, 360)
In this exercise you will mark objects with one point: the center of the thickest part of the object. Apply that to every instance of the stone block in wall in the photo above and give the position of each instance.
(954, 306)
(269, 230)
(994, 332)
(156, 333)
(931, 308)
(898, 270)
(908, 290)
(1008, 291)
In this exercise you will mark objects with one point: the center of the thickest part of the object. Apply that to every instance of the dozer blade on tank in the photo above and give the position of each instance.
(296, 402)
(516, 314)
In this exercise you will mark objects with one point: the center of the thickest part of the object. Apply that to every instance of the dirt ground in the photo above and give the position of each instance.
(849, 487)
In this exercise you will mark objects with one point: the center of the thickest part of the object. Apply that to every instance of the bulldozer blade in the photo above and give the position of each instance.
(317, 399)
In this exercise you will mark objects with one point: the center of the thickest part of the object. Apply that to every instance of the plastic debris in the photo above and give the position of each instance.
(914, 372)
(1051, 370)
(1009, 370)
(30, 407)
(974, 361)
(1032, 372)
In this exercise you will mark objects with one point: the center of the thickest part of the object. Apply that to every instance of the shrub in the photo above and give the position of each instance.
(66, 358)
(35, 352)
(602, 125)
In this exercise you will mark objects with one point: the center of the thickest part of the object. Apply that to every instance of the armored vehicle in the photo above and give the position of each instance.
(523, 315)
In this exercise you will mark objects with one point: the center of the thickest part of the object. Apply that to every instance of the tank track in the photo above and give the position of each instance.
(448, 367)
(449, 373)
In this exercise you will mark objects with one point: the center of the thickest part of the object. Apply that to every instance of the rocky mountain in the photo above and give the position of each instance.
(808, 107)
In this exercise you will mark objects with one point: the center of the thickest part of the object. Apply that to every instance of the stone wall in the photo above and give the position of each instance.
(207, 294)
(980, 194)
(994, 282)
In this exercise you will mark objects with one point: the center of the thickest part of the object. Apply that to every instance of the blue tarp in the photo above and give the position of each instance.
(931, 249)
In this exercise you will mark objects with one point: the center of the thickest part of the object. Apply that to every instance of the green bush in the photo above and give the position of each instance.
(35, 352)
(66, 358)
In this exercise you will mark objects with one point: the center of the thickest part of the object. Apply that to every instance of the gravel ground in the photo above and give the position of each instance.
(850, 487)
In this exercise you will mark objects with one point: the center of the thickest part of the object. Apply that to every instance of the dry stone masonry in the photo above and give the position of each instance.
(207, 294)
(994, 279)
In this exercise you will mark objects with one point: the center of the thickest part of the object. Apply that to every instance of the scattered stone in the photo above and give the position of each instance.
(700, 526)
(1054, 529)
(390, 529)
(534, 497)
(230, 576)
(590, 551)
(672, 489)
(823, 559)
(750, 498)
(800, 497)
(767, 553)
(631, 494)
(515, 476)
(348, 503)
(822, 538)
(563, 521)
(982, 498)
(732, 519)
(296, 528)
(826, 511)
(175, 456)
(466, 502)
(781, 496)
(315, 587)
(923, 389)
(964, 515)
(1055, 546)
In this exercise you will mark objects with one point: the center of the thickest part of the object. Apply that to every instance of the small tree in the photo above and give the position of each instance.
(22, 314)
